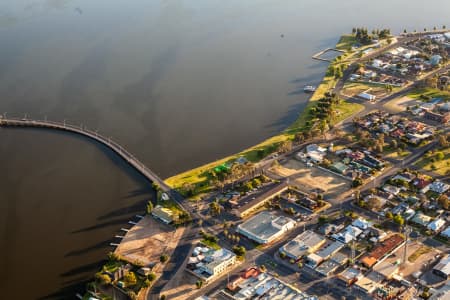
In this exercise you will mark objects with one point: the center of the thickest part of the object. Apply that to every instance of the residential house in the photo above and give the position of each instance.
(350, 233)
(436, 224)
(421, 219)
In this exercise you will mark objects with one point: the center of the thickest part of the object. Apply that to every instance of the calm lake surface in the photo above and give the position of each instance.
(179, 83)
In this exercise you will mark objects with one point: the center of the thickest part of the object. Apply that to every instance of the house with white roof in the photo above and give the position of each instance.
(436, 225)
(315, 153)
(438, 187)
(421, 219)
(350, 233)
(446, 232)
(361, 223)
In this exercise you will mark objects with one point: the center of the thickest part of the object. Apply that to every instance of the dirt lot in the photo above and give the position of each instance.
(311, 179)
(400, 104)
(354, 89)
(147, 240)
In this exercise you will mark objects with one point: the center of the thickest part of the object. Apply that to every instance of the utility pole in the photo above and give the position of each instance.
(406, 231)
(353, 251)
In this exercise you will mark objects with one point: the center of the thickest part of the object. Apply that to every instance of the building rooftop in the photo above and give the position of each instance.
(382, 249)
(330, 249)
(251, 201)
(265, 225)
(265, 285)
(444, 265)
(327, 267)
(302, 244)
(162, 213)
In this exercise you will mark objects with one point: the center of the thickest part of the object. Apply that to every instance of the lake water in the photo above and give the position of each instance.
(179, 83)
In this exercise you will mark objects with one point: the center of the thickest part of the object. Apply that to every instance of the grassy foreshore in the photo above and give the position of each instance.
(199, 176)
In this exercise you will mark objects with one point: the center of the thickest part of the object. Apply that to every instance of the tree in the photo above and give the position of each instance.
(443, 141)
(338, 74)
(163, 258)
(263, 268)
(163, 297)
(149, 207)
(188, 188)
(440, 155)
(374, 203)
(199, 284)
(286, 146)
(357, 182)
(103, 278)
(132, 295)
(215, 208)
(130, 278)
(444, 202)
(239, 250)
(399, 220)
(394, 144)
(282, 255)
(389, 215)
(147, 283)
(151, 276)
(405, 31)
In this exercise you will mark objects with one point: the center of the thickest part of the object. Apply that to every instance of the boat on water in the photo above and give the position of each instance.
(309, 89)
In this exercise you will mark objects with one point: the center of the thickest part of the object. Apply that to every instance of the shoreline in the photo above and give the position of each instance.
(197, 176)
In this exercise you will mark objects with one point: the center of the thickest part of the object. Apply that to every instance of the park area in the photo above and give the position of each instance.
(147, 241)
(312, 179)
(438, 162)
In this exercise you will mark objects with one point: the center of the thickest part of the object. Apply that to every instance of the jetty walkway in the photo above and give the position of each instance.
(106, 141)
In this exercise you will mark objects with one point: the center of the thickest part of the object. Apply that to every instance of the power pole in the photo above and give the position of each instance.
(353, 251)
(406, 231)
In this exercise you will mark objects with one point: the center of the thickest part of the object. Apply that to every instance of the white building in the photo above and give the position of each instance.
(436, 225)
(210, 263)
(265, 227)
(367, 96)
(350, 233)
(315, 153)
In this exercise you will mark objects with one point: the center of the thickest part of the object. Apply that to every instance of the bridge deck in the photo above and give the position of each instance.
(117, 148)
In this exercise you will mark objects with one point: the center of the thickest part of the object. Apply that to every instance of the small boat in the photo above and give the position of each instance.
(309, 89)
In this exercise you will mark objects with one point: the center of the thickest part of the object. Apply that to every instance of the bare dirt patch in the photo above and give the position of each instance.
(400, 104)
(312, 179)
(147, 240)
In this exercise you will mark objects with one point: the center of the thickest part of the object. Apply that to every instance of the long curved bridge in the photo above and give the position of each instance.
(106, 141)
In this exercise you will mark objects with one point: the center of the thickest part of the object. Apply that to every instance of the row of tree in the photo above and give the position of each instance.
(364, 37)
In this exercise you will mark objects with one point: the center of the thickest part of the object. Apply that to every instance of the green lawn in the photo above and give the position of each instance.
(430, 92)
(441, 167)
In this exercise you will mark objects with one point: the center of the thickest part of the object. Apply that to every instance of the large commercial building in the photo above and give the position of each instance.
(305, 243)
(265, 227)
